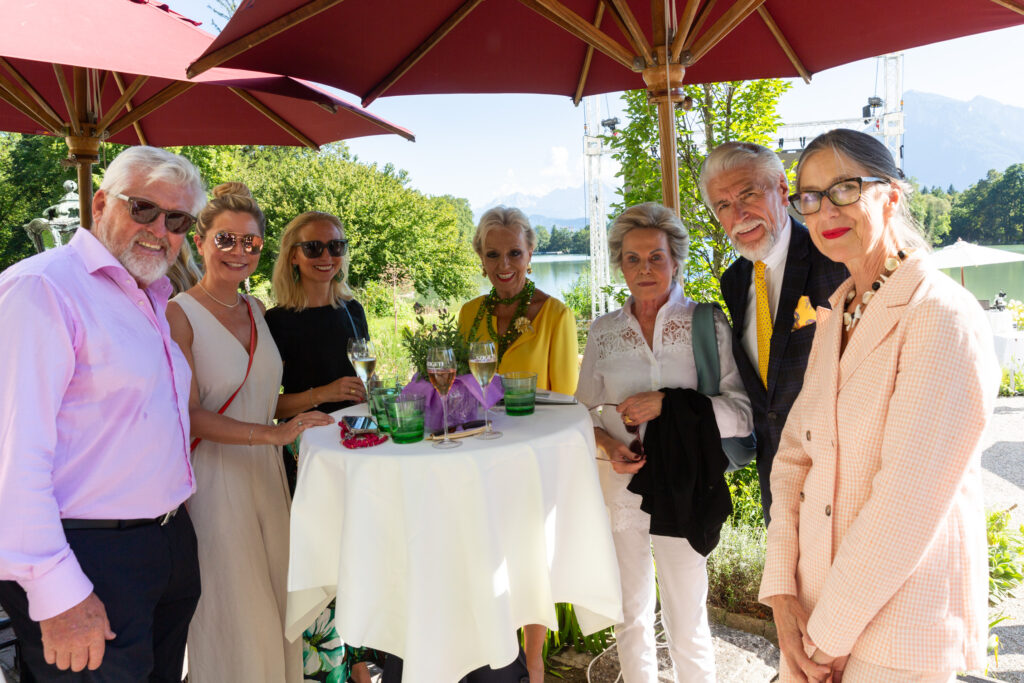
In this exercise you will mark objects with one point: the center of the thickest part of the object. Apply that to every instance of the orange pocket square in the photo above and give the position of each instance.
(804, 314)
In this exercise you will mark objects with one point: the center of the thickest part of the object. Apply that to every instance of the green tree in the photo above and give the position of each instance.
(580, 241)
(931, 210)
(992, 210)
(543, 238)
(740, 110)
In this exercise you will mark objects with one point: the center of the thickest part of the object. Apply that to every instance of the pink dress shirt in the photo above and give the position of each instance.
(93, 412)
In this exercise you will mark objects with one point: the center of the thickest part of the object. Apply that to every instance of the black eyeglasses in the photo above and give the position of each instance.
(465, 426)
(842, 193)
(145, 212)
(226, 241)
(314, 248)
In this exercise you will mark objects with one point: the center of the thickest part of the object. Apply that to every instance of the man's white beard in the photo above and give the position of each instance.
(760, 250)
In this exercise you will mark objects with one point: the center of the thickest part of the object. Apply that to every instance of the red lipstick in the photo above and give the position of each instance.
(834, 233)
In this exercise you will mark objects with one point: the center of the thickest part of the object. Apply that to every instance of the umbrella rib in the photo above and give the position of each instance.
(49, 117)
(689, 15)
(633, 29)
(568, 20)
(10, 95)
(585, 70)
(274, 116)
(126, 96)
(622, 27)
(254, 38)
(1010, 5)
(79, 75)
(149, 106)
(698, 25)
(421, 50)
(780, 38)
(125, 99)
(729, 20)
(380, 123)
(62, 83)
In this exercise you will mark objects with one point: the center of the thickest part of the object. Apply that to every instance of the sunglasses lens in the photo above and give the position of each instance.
(337, 247)
(178, 222)
(312, 249)
(142, 211)
(252, 244)
(637, 447)
(225, 241)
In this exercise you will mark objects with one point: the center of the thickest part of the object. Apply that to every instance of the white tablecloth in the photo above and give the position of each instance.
(439, 556)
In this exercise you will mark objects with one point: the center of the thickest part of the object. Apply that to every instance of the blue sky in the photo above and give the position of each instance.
(486, 146)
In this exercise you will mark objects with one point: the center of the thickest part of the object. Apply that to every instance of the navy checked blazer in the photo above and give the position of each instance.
(808, 272)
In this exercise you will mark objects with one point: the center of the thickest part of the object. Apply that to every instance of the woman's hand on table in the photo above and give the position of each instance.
(791, 623)
(642, 407)
(342, 389)
(285, 432)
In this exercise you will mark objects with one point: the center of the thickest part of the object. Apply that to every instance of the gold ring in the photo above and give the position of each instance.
(300, 423)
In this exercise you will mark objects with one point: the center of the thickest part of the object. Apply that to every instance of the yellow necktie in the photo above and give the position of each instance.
(764, 321)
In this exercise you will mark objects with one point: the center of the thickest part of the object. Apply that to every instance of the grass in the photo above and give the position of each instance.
(734, 571)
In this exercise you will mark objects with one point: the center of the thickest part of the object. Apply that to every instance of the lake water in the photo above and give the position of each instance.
(984, 282)
(552, 273)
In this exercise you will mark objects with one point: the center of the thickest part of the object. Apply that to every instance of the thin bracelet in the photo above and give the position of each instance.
(312, 401)
(251, 430)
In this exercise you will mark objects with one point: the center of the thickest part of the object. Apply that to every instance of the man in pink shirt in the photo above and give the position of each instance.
(98, 567)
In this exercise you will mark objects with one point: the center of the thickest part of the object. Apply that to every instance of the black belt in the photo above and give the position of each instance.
(72, 524)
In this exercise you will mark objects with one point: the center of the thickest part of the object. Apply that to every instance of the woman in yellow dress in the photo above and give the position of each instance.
(532, 331)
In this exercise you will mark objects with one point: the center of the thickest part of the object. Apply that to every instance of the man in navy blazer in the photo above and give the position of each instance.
(745, 186)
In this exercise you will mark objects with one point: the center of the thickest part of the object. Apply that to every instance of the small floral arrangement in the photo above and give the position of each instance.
(1017, 309)
(445, 332)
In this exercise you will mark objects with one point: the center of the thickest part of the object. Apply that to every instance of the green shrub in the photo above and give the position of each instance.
(735, 568)
(1018, 383)
(1005, 556)
(745, 490)
(392, 358)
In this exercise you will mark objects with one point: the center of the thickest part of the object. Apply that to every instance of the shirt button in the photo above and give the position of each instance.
(828, 510)
(772, 415)
(801, 496)
(808, 434)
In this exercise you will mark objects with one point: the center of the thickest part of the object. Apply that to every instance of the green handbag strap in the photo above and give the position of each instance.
(705, 349)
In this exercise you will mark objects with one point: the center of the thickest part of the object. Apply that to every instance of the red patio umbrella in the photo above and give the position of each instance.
(114, 70)
(580, 47)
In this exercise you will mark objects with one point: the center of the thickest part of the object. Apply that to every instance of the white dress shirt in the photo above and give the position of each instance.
(775, 268)
(617, 363)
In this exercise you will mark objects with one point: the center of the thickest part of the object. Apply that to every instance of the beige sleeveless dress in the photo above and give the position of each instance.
(240, 513)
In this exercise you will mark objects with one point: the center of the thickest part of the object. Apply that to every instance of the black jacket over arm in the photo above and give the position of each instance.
(808, 273)
(683, 483)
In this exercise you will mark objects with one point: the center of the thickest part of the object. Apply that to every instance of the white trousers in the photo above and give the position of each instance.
(682, 580)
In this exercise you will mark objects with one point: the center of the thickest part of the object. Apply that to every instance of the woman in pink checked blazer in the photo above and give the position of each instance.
(876, 566)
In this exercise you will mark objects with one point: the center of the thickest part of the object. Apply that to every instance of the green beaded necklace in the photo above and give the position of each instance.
(522, 301)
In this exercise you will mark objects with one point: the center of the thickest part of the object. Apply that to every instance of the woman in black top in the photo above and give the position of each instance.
(314, 318)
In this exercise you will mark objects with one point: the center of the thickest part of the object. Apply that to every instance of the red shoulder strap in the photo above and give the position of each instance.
(252, 352)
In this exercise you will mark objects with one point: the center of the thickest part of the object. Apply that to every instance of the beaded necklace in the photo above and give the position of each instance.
(522, 301)
(850, 320)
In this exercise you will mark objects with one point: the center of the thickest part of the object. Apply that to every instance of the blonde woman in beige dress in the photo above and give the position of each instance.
(240, 508)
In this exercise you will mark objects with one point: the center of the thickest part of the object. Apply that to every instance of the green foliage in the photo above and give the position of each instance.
(392, 358)
(568, 241)
(543, 238)
(740, 110)
(735, 568)
(1005, 556)
(443, 332)
(577, 297)
(1017, 381)
(745, 491)
(992, 210)
(932, 211)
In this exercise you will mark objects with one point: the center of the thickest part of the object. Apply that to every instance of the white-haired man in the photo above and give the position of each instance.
(771, 290)
(98, 565)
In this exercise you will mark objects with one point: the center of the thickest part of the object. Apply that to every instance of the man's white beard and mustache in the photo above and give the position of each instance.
(759, 250)
(146, 268)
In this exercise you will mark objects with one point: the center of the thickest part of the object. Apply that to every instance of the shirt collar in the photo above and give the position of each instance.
(96, 257)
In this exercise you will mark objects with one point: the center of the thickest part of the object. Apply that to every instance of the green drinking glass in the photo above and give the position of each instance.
(520, 392)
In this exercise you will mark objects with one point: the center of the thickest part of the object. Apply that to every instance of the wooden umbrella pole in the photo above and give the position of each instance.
(84, 152)
(665, 88)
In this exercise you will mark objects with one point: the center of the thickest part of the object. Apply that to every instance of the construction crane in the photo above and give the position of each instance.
(882, 116)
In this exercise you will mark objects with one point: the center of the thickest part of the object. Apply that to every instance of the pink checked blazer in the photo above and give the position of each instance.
(877, 520)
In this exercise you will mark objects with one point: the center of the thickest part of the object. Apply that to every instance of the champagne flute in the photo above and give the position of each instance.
(483, 363)
(364, 359)
(441, 371)
(352, 343)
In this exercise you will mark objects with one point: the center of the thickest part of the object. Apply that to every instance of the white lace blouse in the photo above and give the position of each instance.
(617, 363)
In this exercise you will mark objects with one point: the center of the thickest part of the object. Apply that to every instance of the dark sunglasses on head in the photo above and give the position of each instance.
(226, 241)
(145, 212)
(314, 248)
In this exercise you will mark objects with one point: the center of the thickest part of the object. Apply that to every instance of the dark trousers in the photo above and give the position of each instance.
(513, 673)
(148, 579)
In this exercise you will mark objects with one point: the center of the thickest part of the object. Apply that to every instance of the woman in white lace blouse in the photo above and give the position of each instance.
(632, 353)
